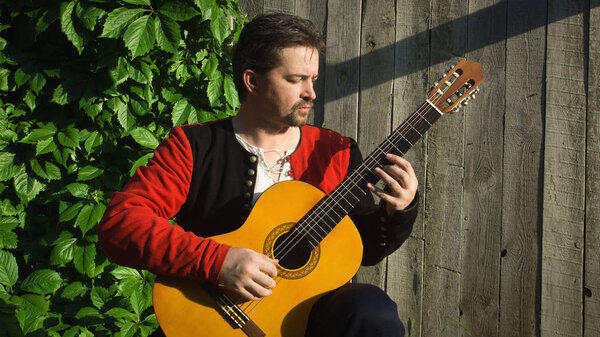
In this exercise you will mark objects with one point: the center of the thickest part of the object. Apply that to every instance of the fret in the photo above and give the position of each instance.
(330, 210)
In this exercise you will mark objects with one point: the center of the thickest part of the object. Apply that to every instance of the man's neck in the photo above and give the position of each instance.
(265, 134)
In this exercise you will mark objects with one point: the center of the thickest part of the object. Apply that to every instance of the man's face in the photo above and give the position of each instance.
(286, 91)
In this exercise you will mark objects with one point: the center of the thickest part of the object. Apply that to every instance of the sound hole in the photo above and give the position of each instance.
(292, 251)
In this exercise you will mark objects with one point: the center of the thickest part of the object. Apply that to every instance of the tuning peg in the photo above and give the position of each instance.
(466, 103)
(435, 84)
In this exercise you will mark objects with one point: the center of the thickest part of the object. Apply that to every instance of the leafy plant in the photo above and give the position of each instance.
(87, 89)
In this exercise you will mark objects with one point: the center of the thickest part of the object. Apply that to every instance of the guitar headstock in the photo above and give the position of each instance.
(457, 87)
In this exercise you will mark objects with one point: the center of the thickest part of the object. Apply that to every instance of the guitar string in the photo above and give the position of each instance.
(397, 135)
(311, 222)
(420, 112)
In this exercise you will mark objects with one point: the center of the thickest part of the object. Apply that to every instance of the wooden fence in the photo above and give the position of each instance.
(508, 238)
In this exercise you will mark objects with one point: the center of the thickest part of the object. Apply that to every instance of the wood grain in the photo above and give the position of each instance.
(444, 179)
(342, 69)
(591, 291)
(378, 30)
(564, 172)
(521, 193)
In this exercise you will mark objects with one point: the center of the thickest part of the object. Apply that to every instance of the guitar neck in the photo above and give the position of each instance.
(330, 210)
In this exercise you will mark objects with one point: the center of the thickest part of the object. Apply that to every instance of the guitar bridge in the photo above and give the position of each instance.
(232, 313)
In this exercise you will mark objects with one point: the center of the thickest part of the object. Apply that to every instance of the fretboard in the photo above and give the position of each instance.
(330, 210)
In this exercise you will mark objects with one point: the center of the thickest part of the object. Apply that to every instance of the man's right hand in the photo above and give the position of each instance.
(248, 273)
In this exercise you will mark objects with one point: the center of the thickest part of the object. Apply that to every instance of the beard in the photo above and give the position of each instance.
(297, 117)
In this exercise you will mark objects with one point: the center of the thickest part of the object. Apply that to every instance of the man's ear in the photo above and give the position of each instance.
(250, 80)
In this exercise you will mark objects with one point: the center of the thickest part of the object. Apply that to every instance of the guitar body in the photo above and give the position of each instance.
(184, 308)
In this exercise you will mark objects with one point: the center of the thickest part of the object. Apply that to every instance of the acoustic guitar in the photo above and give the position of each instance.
(317, 245)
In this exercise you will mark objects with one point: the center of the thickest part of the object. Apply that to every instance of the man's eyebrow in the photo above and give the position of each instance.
(302, 75)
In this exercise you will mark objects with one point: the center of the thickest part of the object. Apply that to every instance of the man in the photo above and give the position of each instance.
(209, 176)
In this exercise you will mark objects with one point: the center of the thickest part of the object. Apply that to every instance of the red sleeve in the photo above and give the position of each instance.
(135, 230)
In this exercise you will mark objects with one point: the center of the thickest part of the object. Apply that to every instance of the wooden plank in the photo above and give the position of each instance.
(521, 191)
(342, 68)
(444, 175)
(482, 209)
(375, 103)
(411, 70)
(405, 283)
(591, 292)
(316, 12)
(279, 6)
(564, 169)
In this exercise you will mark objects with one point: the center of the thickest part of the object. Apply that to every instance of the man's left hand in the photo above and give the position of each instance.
(401, 181)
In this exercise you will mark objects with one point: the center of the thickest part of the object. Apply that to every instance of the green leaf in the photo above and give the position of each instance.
(78, 190)
(206, 6)
(118, 19)
(6, 160)
(214, 91)
(145, 137)
(70, 212)
(45, 146)
(4, 76)
(44, 281)
(66, 24)
(26, 187)
(168, 34)
(181, 112)
(125, 272)
(69, 138)
(138, 303)
(129, 329)
(231, 93)
(62, 253)
(89, 16)
(89, 216)
(99, 296)
(140, 72)
(59, 96)
(35, 303)
(74, 290)
(21, 77)
(9, 270)
(94, 140)
(120, 313)
(88, 172)
(219, 25)
(8, 240)
(178, 11)
(83, 259)
(138, 2)
(139, 36)
(141, 161)
(30, 100)
(125, 118)
(52, 171)
(39, 134)
(37, 82)
(209, 67)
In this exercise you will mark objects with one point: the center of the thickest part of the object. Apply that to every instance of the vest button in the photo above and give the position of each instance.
(251, 172)
(249, 183)
(247, 195)
(253, 159)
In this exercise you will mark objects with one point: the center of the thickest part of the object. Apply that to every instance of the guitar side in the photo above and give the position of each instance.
(184, 308)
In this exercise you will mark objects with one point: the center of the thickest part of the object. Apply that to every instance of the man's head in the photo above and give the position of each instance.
(262, 39)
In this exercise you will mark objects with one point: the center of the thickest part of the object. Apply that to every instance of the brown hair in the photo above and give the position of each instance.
(261, 40)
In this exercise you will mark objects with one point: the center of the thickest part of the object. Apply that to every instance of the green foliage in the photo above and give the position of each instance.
(87, 89)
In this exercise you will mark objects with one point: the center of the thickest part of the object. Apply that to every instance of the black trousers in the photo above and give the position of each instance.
(353, 310)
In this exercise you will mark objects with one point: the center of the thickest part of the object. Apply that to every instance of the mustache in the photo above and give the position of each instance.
(302, 104)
